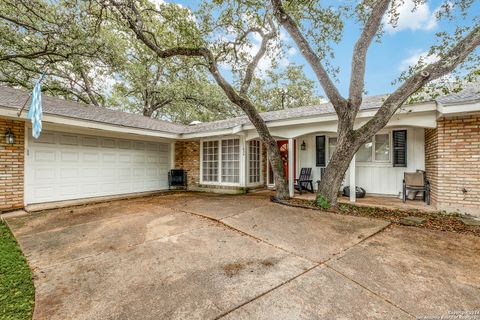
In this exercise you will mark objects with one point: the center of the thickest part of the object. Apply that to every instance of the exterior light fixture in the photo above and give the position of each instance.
(9, 137)
(303, 146)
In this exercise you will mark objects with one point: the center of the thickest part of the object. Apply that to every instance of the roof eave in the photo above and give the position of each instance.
(88, 124)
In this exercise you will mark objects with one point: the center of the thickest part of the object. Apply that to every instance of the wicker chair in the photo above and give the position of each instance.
(416, 182)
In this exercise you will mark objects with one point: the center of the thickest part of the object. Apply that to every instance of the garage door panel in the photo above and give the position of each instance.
(91, 157)
(109, 143)
(46, 138)
(138, 172)
(68, 173)
(109, 157)
(44, 192)
(89, 172)
(68, 190)
(64, 166)
(67, 139)
(44, 155)
(124, 187)
(137, 145)
(90, 142)
(90, 189)
(123, 144)
(126, 158)
(44, 174)
(108, 172)
(69, 156)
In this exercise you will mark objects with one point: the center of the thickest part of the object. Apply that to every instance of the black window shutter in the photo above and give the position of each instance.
(400, 148)
(320, 151)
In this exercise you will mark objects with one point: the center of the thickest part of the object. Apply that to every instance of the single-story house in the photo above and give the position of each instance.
(89, 152)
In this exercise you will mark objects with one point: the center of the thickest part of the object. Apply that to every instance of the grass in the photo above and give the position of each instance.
(17, 293)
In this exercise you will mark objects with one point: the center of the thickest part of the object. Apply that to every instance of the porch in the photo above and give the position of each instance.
(378, 167)
(386, 202)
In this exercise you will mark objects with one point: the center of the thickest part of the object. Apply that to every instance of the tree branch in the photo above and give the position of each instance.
(359, 57)
(247, 80)
(88, 88)
(307, 51)
(445, 65)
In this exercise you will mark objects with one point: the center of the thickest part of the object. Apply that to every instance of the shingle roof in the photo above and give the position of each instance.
(469, 93)
(15, 98)
(372, 102)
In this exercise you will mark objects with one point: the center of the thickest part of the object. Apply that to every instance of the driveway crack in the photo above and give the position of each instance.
(225, 225)
(369, 290)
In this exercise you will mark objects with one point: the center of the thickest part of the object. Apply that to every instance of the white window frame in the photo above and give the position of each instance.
(202, 164)
(327, 149)
(247, 160)
(374, 160)
(219, 174)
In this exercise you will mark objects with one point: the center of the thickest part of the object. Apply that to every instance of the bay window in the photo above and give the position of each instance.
(221, 161)
(230, 161)
(210, 161)
(254, 161)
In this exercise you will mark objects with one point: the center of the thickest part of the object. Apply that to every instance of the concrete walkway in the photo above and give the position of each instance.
(206, 256)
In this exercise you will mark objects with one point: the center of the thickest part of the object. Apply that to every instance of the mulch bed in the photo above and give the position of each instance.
(434, 220)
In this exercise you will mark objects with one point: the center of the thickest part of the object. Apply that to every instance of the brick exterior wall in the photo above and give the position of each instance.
(187, 157)
(431, 162)
(452, 159)
(11, 165)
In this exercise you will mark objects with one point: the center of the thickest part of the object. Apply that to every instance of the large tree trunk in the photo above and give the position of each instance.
(348, 144)
(277, 168)
(334, 173)
(269, 143)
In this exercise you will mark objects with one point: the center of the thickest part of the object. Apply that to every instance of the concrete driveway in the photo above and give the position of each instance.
(205, 256)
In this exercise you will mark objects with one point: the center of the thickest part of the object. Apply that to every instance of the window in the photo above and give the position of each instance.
(221, 161)
(254, 162)
(377, 149)
(400, 148)
(382, 147)
(332, 144)
(210, 161)
(231, 160)
(320, 151)
(364, 154)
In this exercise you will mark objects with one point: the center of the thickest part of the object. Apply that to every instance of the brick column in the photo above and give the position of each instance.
(452, 159)
(187, 157)
(11, 165)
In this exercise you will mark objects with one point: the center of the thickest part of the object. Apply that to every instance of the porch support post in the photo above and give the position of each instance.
(243, 162)
(172, 155)
(290, 167)
(353, 191)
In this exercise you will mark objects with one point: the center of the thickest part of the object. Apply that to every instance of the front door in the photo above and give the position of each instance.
(283, 147)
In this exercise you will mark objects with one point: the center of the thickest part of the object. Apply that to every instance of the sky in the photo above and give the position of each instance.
(400, 47)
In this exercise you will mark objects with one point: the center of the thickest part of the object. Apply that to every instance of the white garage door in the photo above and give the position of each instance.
(64, 166)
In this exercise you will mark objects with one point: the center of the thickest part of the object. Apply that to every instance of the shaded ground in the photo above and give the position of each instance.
(197, 256)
